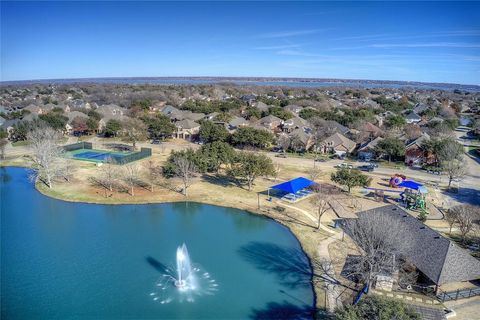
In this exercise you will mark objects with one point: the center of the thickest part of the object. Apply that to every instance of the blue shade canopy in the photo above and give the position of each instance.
(410, 184)
(294, 185)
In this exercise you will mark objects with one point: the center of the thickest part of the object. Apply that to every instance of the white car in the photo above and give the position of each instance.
(344, 166)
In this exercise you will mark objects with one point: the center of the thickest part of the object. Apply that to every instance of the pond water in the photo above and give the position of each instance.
(62, 260)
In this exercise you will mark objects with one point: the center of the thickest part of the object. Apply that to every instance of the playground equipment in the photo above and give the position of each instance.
(396, 180)
(414, 196)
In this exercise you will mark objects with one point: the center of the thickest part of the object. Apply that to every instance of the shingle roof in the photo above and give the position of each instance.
(187, 124)
(338, 139)
(435, 256)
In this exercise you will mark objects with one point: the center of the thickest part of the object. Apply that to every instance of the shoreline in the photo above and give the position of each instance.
(316, 290)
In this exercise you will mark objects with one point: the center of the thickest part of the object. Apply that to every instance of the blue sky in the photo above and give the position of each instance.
(433, 42)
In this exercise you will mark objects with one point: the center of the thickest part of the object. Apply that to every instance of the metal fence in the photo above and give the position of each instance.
(78, 146)
(142, 154)
(458, 294)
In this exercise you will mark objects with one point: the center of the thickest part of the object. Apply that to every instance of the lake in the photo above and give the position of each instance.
(62, 260)
(293, 83)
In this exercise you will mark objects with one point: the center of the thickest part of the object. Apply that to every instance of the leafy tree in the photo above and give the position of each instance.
(280, 112)
(159, 126)
(94, 115)
(395, 121)
(92, 124)
(216, 154)
(253, 112)
(210, 132)
(390, 146)
(196, 157)
(112, 128)
(379, 308)
(223, 117)
(144, 104)
(350, 178)
(247, 136)
(308, 113)
(54, 120)
(248, 166)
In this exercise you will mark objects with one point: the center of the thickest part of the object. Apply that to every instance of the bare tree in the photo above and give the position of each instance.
(284, 142)
(131, 176)
(276, 171)
(3, 145)
(381, 240)
(185, 169)
(108, 174)
(154, 173)
(134, 130)
(455, 169)
(314, 174)
(321, 201)
(467, 217)
(67, 169)
(451, 218)
(46, 154)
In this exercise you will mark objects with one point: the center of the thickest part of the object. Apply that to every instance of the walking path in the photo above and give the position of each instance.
(332, 289)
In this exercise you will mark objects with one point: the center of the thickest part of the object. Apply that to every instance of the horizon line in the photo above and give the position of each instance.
(289, 78)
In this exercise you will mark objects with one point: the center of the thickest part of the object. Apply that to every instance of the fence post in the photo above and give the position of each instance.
(456, 297)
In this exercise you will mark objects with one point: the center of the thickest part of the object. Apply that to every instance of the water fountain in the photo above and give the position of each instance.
(184, 282)
(185, 279)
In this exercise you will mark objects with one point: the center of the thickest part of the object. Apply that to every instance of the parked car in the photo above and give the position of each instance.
(367, 168)
(344, 165)
(155, 141)
(321, 160)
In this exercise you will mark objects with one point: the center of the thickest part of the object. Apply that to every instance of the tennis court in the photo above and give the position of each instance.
(97, 155)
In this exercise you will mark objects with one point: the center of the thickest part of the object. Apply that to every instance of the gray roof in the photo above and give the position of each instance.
(435, 256)
(420, 107)
(413, 116)
(187, 124)
(237, 121)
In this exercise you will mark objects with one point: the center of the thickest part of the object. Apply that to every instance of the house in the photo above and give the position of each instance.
(249, 98)
(71, 116)
(339, 144)
(293, 124)
(168, 109)
(337, 127)
(2, 121)
(366, 151)
(270, 122)
(420, 108)
(187, 129)
(415, 154)
(261, 106)
(236, 123)
(436, 258)
(34, 109)
(9, 125)
(301, 140)
(111, 110)
(194, 116)
(412, 117)
(293, 108)
(368, 131)
(211, 116)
